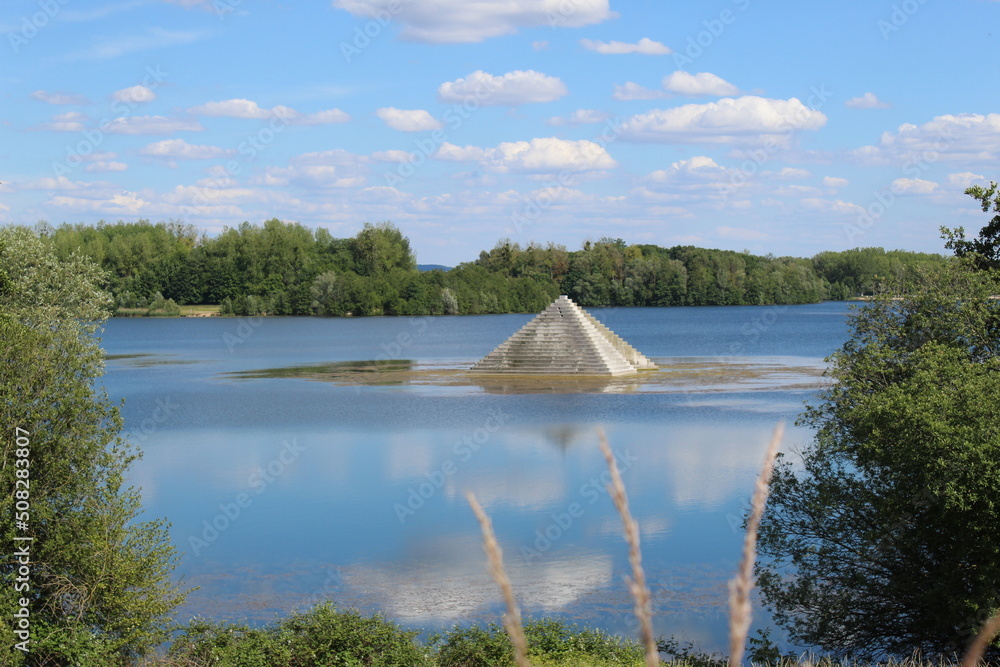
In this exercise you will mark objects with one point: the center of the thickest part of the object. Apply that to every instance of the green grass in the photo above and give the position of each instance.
(200, 309)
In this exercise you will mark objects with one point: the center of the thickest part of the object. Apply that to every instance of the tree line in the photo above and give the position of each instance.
(280, 268)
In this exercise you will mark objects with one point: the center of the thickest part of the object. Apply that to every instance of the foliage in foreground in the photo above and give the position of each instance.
(885, 543)
(330, 637)
(320, 636)
(550, 642)
(99, 590)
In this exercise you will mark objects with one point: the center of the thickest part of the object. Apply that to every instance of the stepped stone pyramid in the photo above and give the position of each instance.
(564, 339)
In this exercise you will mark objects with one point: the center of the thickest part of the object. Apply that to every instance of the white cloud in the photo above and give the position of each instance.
(791, 173)
(125, 203)
(740, 233)
(550, 154)
(134, 95)
(452, 153)
(702, 83)
(835, 182)
(699, 169)
(180, 149)
(152, 125)
(71, 121)
(154, 38)
(240, 108)
(866, 101)
(408, 120)
(836, 206)
(540, 45)
(321, 117)
(334, 156)
(633, 91)
(392, 156)
(57, 183)
(58, 98)
(461, 21)
(314, 176)
(579, 117)
(540, 155)
(797, 191)
(97, 157)
(747, 119)
(645, 46)
(105, 166)
(243, 108)
(913, 186)
(868, 155)
(335, 168)
(960, 137)
(964, 180)
(511, 89)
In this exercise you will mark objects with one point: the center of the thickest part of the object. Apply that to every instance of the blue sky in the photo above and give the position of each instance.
(781, 127)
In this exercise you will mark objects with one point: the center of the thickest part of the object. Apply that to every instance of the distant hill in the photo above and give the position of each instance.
(432, 267)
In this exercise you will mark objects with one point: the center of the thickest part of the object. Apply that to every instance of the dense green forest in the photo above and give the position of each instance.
(283, 268)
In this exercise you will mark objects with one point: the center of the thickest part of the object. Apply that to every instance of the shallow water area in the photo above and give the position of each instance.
(674, 374)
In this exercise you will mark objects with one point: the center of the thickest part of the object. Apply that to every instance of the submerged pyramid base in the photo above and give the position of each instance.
(564, 339)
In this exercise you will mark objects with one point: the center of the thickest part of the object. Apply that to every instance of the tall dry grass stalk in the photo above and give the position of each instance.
(512, 619)
(740, 610)
(637, 584)
(990, 630)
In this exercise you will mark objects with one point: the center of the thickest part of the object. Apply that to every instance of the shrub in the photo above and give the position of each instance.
(320, 636)
(550, 642)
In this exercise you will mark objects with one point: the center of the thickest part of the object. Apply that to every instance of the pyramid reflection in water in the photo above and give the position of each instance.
(564, 339)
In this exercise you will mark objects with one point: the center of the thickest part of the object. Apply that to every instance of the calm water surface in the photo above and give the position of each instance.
(283, 491)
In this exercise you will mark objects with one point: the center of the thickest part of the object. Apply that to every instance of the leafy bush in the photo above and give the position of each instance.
(163, 307)
(320, 636)
(550, 642)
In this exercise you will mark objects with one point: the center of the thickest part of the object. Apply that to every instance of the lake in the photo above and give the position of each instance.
(292, 472)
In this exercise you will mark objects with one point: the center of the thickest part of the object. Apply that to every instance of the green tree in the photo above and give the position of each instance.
(379, 248)
(100, 588)
(985, 249)
(883, 541)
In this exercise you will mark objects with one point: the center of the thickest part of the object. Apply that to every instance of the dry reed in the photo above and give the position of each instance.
(637, 584)
(740, 610)
(512, 619)
(990, 630)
